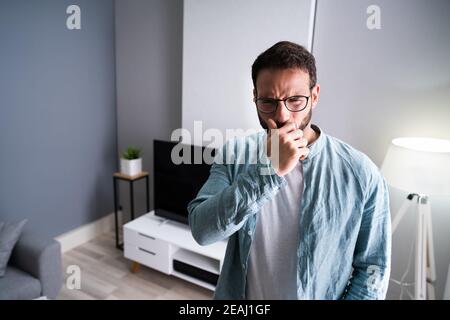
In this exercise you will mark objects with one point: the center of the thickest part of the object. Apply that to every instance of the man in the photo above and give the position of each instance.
(317, 225)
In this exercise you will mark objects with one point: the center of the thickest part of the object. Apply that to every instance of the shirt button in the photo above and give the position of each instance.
(250, 232)
(243, 266)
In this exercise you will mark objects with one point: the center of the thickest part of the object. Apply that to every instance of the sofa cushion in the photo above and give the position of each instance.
(18, 285)
(9, 234)
(39, 256)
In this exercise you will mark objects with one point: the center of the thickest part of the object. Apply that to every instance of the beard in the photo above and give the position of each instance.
(305, 122)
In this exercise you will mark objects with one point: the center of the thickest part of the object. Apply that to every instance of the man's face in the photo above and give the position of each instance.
(283, 83)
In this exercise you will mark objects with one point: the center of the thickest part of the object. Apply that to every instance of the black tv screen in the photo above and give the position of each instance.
(175, 185)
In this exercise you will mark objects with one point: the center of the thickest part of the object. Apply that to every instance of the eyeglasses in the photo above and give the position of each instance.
(293, 104)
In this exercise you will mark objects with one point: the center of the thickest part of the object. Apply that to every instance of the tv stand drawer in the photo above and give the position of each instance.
(146, 242)
(160, 262)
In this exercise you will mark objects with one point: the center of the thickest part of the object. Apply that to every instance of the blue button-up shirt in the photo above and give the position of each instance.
(344, 221)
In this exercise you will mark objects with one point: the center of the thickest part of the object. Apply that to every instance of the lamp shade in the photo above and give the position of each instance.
(418, 165)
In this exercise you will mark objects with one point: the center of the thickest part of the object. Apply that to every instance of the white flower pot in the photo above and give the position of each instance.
(131, 167)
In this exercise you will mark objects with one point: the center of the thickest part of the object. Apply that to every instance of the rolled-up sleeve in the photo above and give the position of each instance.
(372, 255)
(225, 201)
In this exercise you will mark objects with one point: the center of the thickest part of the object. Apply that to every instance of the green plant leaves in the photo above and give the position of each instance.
(131, 153)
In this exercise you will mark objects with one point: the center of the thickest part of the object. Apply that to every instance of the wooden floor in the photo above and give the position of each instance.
(105, 274)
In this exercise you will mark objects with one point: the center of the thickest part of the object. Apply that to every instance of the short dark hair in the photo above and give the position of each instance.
(286, 55)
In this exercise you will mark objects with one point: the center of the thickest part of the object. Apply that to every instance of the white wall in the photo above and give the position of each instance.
(221, 40)
(380, 84)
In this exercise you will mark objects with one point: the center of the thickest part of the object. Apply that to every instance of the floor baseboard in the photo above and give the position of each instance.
(85, 233)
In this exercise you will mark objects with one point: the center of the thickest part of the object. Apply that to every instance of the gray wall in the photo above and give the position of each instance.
(57, 114)
(149, 57)
(381, 84)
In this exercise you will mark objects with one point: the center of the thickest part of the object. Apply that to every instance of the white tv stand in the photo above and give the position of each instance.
(156, 242)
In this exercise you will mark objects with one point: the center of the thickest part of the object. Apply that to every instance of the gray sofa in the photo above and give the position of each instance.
(34, 269)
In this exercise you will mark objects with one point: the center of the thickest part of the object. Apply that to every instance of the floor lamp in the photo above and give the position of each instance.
(420, 166)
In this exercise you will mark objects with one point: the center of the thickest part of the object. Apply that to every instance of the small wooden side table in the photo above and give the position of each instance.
(131, 179)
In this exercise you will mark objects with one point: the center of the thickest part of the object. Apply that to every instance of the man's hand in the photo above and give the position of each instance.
(291, 146)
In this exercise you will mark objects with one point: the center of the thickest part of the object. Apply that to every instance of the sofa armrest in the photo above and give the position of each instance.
(40, 257)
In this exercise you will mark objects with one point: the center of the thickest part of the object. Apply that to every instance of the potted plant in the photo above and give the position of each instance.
(131, 161)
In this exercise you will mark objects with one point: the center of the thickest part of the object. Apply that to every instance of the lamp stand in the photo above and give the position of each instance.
(425, 272)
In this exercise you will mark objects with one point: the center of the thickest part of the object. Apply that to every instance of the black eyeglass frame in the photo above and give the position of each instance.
(284, 102)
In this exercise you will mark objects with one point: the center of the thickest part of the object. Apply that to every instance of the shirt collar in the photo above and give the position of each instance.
(317, 145)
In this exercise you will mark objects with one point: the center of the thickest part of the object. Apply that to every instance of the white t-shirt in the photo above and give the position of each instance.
(272, 271)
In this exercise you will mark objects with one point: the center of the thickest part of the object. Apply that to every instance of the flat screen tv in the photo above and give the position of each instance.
(175, 185)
